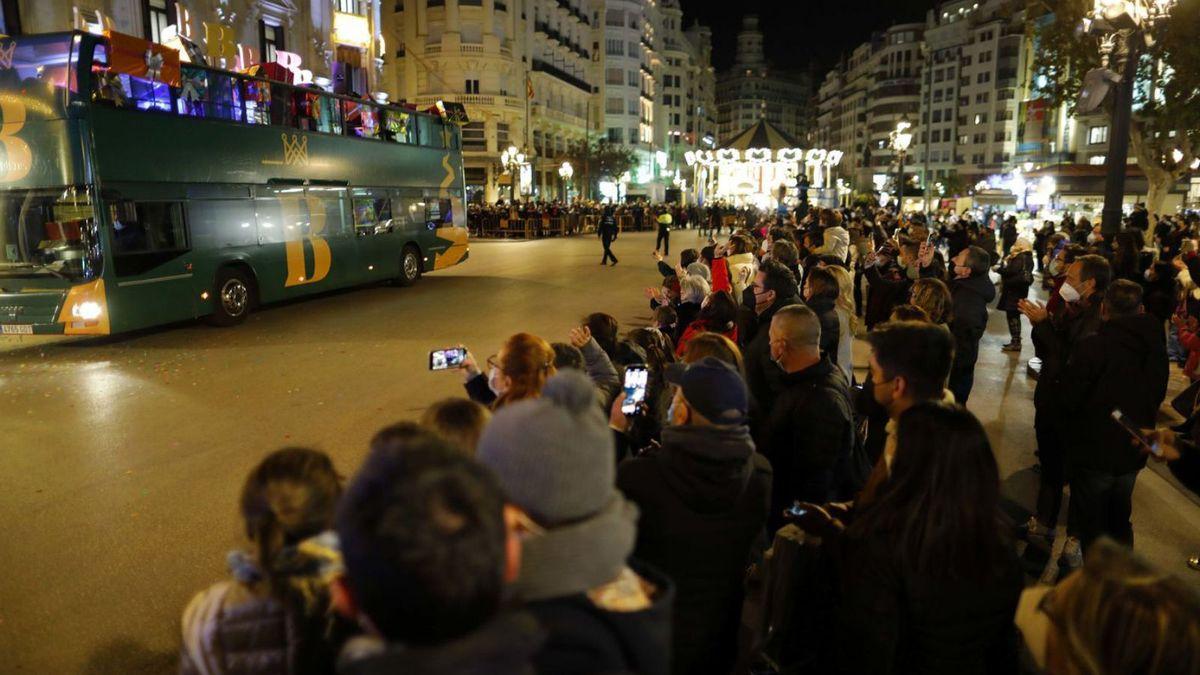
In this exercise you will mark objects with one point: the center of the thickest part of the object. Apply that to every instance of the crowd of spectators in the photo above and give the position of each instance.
(765, 507)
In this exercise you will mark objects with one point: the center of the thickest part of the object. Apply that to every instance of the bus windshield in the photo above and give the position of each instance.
(49, 233)
(39, 68)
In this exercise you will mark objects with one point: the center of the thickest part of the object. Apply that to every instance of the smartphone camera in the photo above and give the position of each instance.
(636, 379)
(446, 359)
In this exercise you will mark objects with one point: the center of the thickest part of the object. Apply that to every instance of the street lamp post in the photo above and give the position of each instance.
(512, 159)
(565, 172)
(901, 138)
(1122, 25)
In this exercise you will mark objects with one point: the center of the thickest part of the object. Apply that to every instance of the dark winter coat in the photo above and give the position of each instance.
(1122, 366)
(1015, 279)
(1054, 340)
(503, 646)
(888, 287)
(891, 620)
(810, 429)
(607, 229)
(586, 639)
(703, 498)
(970, 298)
(763, 376)
(831, 326)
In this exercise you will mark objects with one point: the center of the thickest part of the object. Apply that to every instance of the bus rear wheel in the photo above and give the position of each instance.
(233, 292)
(410, 266)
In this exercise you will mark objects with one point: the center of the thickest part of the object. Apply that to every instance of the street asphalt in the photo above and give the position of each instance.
(123, 458)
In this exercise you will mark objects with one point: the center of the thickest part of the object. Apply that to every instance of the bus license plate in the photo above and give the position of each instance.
(16, 329)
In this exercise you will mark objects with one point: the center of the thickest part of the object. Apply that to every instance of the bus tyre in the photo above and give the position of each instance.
(410, 266)
(234, 295)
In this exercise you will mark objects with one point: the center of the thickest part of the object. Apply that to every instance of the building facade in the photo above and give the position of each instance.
(754, 90)
(688, 112)
(526, 70)
(977, 78)
(339, 40)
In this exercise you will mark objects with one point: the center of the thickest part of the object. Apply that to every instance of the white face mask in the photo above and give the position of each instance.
(494, 381)
(1054, 267)
(1068, 293)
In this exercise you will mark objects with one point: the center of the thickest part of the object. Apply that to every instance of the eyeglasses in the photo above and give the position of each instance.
(492, 362)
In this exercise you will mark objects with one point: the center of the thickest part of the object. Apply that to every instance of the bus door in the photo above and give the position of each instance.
(306, 246)
(375, 227)
(152, 262)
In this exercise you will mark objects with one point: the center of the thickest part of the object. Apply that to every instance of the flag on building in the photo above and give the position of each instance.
(528, 88)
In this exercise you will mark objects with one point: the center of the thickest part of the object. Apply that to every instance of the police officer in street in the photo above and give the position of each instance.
(607, 232)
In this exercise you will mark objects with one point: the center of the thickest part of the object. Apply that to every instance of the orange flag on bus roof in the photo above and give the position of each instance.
(142, 58)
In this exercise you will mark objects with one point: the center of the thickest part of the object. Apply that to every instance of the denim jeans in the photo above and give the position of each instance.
(1101, 504)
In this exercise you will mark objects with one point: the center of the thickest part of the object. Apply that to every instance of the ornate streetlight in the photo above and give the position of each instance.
(565, 172)
(1122, 26)
(901, 138)
(512, 159)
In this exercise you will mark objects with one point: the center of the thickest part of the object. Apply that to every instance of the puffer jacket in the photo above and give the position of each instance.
(236, 627)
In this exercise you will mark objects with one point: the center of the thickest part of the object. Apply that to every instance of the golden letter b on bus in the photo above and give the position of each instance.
(297, 263)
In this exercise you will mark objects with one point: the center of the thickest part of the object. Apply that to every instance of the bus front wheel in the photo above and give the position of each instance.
(234, 295)
(410, 266)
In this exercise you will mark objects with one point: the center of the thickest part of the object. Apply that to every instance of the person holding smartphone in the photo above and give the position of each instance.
(703, 498)
(1122, 367)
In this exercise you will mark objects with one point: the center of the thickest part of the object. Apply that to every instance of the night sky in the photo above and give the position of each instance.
(801, 34)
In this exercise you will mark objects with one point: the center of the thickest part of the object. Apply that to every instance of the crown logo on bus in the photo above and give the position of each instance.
(295, 149)
(6, 54)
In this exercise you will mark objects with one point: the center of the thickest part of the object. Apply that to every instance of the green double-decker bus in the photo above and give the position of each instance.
(137, 194)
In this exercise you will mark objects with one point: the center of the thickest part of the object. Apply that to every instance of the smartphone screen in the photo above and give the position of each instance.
(445, 359)
(635, 388)
(1136, 433)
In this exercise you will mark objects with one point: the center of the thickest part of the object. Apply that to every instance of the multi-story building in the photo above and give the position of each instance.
(842, 119)
(339, 40)
(632, 108)
(861, 101)
(687, 90)
(753, 90)
(894, 94)
(524, 69)
(976, 77)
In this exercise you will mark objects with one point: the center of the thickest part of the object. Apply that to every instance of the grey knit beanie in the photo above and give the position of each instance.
(701, 270)
(554, 455)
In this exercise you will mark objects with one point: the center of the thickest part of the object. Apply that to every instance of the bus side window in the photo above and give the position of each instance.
(224, 102)
(326, 206)
(220, 223)
(283, 114)
(409, 210)
(257, 96)
(329, 115)
(146, 234)
(372, 212)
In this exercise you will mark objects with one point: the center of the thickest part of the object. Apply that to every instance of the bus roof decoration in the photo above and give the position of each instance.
(143, 59)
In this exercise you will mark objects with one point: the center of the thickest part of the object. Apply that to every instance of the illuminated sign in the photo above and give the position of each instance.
(351, 29)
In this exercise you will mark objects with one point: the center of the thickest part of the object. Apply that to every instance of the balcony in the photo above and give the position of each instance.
(500, 6)
(540, 66)
(471, 100)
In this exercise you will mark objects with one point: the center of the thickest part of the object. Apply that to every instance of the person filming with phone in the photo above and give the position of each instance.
(703, 498)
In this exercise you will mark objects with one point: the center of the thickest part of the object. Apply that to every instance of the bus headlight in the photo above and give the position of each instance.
(88, 310)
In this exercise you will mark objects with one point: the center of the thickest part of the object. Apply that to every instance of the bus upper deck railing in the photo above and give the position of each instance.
(260, 98)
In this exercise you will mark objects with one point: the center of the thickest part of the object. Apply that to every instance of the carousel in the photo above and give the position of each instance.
(762, 167)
